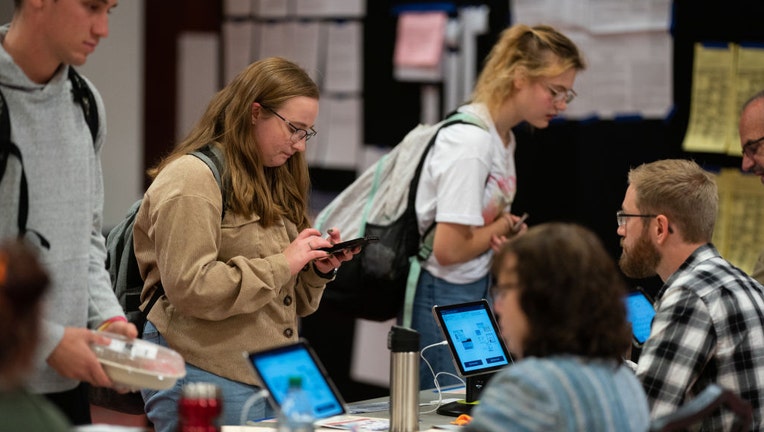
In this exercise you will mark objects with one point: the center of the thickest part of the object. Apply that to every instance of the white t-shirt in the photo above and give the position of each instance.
(468, 178)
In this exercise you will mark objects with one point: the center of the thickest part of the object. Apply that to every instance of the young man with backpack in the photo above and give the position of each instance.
(51, 188)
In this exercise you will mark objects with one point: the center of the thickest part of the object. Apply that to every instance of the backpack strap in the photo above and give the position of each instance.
(82, 94)
(9, 148)
(5, 136)
(369, 201)
(452, 118)
(158, 293)
(213, 157)
(426, 240)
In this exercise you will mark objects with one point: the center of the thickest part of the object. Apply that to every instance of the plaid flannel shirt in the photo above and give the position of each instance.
(708, 328)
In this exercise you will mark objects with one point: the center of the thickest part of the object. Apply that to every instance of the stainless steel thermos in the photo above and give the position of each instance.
(403, 343)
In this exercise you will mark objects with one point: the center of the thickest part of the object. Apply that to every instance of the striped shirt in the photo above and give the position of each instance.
(708, 328)
(562, 393)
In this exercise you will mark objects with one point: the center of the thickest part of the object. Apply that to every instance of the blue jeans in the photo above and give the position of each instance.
(429, 292)
(162, 405)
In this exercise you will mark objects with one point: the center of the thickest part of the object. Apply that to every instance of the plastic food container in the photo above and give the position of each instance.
(139, 364)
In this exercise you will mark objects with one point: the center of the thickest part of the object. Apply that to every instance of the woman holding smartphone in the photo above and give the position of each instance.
(242, 283)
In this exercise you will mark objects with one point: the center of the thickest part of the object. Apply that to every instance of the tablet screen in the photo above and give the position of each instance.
(276, 365)
(473, 337)
(640, 313)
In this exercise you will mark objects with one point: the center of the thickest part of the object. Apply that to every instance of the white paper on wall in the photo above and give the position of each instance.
(270, 8)
(237, 47)
(344, 62)
(307, 37)
(339, 129)
(330, 8)
(273, 39)
(617, 81)
(237, 7)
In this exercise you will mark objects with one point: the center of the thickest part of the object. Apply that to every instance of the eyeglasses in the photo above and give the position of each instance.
(499, 291)
(752, 147)
(564, 95)
(620, 217)
(298, 134)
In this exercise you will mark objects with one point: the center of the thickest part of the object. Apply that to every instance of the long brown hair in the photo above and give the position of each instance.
(252, 188)
(23, 281)
(571, 292)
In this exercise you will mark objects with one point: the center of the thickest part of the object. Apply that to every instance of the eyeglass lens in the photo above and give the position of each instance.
(298, 134)
(752, 147)
(560, 95)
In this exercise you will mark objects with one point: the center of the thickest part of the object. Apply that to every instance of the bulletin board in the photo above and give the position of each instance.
(575, 170)
(739, 234)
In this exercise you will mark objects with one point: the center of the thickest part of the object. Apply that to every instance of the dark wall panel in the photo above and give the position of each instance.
(165, 21)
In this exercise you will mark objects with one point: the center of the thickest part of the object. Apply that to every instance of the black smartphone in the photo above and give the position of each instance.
(350, 244)
(640, 313)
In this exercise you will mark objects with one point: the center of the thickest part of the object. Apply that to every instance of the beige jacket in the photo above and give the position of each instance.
(228, 289)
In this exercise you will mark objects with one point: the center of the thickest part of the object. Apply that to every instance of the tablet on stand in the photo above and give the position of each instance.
(476, 346)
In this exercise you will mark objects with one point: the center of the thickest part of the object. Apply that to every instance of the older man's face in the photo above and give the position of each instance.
(751, 129)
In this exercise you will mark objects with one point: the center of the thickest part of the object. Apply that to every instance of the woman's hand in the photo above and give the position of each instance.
(306, 248)
(517, 226)
(333, 261)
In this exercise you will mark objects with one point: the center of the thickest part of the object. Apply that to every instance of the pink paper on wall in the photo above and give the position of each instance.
(419, 39)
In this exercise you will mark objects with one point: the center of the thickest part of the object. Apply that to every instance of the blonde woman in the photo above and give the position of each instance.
(469, 179)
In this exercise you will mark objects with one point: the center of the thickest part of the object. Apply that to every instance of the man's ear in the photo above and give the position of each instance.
(662, 228)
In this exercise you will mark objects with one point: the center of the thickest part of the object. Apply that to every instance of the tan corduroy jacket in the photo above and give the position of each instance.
(228, 289)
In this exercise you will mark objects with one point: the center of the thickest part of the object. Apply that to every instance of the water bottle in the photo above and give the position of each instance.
(296, 414)
(199, 407)
(404, 379)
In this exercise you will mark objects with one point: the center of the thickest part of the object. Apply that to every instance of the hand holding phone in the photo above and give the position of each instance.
(350, 244)
(519, 225)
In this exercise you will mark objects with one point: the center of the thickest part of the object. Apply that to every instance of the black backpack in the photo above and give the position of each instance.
(127, 283)
(380, 282)
(81, 94)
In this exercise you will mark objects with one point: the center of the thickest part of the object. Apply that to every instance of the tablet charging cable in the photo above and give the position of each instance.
(436, 375)
(251, 401)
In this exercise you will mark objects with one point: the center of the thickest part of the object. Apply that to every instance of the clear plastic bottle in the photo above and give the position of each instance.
(296, 413)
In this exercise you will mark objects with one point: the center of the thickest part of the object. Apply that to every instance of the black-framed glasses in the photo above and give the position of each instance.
(561, 95)
(498, 291)
(752, 147)
(298, 134)
(621, 216)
